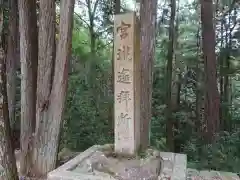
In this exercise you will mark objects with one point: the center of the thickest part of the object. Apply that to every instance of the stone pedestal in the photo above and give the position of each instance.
(99, 163)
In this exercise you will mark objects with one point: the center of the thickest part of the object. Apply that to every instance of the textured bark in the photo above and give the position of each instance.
(11, 59)
(170, 122)
(28, 56)
(7, 158)
(45, 152)
(46, 58)
(199, 90)
(212, 101)
(221, 78)
(147, 45)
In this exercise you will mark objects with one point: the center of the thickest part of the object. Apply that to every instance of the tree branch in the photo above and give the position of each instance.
(78, 16)
(229, 10)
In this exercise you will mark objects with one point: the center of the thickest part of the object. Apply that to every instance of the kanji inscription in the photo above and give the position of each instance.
(123, 118)
(123, 29)
(127, 126)
(124, 97)
(124, 76)
(123, 54)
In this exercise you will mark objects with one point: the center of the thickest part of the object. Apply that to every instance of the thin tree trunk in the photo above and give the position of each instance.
(46, 58)
(148, 13)
(176, 88)
(28, 56)
(11, 59)
(221, 78)
(170, 122)
(212, 100)
(46, 151)
(7, 157)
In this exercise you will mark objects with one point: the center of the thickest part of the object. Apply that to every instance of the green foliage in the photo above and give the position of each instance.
(89, 105)
(221, 155)
(89, 102)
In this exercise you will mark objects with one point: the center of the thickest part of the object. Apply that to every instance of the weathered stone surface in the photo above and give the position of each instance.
(127, 84)
(121, 168)
(173, 166)
(96, 163)
(193, 174)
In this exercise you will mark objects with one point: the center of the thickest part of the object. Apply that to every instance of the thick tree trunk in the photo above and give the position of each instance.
(170, 122)
(48, 132)
(11, 59)
(212, 101)
(147, 44)
(28, 56)
(7, 157)
(46, 58)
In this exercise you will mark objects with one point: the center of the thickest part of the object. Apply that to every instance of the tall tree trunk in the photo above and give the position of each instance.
(227, 78)
(7, 157)
(221, 78)
(199, 89)
(46, 58)
(147, 44)
(46, 151)
(11, 59)
(176, 87)
(212, 100)
(170, 122)
(28, 56)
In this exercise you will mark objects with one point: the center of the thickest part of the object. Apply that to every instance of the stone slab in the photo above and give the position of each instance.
(64, 172)
(172, 166)
(193, 174)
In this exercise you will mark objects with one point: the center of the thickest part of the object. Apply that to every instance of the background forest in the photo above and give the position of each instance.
(88, 117)
(185, 119)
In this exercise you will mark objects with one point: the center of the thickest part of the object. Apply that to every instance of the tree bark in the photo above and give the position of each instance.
(11, 59)
(170, 122)
(199, 125)
(28, 56)
(46, 151)
(212, 101)
(7, 157)
(148, 12)
(46, 58)
(221, 78)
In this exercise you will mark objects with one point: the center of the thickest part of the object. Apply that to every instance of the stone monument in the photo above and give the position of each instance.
(123, 160)
(127, 84)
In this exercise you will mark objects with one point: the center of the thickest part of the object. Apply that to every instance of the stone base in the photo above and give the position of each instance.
(96, 163)
(193, 174)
